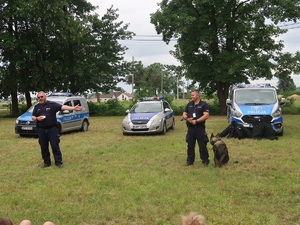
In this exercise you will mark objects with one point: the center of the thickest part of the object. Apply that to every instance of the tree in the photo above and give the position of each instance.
(177, 73)
(286, 85)
(154, 79)
(59, 45)
(221, 43)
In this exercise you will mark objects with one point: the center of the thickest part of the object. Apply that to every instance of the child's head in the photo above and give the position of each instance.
(193, 219)
(5, 221)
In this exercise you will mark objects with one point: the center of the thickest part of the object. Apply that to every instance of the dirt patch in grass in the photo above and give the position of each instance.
(294, 96)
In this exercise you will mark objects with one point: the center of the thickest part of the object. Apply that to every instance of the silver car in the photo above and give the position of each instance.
(67, 120)
(149, 115)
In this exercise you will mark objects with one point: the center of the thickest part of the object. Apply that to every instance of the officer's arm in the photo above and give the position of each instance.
(203, 118)
(76, 107)
(184, 115)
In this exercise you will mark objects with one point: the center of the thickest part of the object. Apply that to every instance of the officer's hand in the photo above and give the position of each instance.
(190, 120)
(78, 107)
(40, 118)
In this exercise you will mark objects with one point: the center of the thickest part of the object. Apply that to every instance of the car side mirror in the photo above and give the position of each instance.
(282, 101)
(167, 110)
(228, 102)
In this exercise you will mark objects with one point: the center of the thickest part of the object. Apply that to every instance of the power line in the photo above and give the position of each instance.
(147, 36)
(149, 40)
(290, 24)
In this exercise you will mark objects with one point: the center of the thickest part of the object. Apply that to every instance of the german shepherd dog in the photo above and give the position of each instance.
(220, 149)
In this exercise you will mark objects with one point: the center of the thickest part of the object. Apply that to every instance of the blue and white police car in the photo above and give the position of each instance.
(149, 115)
(67, 120)
(248, 103)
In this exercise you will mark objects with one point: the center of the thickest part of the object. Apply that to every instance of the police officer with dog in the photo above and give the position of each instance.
(44, 113)
(196, 113)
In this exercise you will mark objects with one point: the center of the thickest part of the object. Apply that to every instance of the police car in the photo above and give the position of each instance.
(248, 103)
(149, 115)
(66, 120)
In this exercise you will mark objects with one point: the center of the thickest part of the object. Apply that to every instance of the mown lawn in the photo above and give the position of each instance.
(109, 178)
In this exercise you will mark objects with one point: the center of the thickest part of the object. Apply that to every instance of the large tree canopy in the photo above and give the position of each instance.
(59, 45)
(221, 43)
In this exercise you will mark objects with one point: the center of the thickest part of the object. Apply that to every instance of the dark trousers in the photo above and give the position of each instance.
(197, 134)
(46, 136)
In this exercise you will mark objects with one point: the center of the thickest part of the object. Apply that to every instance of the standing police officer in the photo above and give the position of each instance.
(44, 113)
(196, 113)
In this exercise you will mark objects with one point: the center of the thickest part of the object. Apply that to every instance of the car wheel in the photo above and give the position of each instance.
(164, 129)
(84, 126)
(173, 125)
(59, 128)
(281, 133)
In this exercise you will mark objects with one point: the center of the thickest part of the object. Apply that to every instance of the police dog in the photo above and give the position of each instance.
(220, 149)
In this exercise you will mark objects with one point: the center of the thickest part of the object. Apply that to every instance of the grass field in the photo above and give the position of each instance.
(109, 178)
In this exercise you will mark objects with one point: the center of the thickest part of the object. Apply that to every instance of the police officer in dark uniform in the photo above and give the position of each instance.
(195, 114)
(44, 113)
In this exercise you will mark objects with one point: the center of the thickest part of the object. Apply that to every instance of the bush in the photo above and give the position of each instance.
(177, 109)
(109, 108)
(114, 108)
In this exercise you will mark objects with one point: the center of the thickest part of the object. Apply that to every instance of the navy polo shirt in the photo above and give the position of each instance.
(198, 109)
(49, 109)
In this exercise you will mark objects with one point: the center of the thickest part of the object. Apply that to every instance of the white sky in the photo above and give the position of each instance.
(137, 14)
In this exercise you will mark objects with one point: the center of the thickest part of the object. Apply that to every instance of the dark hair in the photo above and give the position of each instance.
(4, 221)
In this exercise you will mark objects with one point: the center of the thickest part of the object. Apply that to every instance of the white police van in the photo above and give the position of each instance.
(149, 115)
(250, 103)
(67, 120)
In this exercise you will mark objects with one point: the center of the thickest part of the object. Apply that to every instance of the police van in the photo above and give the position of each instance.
(67, 120)
(249, 103)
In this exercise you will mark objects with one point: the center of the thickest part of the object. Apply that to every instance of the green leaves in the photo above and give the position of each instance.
(61, 45)
(226, 42)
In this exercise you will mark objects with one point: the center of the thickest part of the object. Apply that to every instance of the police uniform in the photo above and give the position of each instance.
(48, 131)
(196, 132)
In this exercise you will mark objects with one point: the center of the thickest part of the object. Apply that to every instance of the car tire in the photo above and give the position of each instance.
(173, 124)
(58, 128)
(84, 126)
(164, 130)
(280, 134)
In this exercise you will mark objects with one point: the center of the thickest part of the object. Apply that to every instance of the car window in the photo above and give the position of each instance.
(146, 107)
(77, 102)
(68, 103)
(166, 105)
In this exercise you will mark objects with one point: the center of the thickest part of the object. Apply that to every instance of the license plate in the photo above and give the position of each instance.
(140, 127)
(27, 128)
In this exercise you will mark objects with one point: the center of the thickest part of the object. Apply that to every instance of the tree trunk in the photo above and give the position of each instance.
(14, 103)
(28, 99)
(222, 92)
(98, 96)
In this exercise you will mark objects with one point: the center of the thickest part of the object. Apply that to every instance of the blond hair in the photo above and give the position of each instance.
(193, 219)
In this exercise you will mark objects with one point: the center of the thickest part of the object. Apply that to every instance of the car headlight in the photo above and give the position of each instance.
(156, 119)
(277, 113)
(126, 120)
(236, 113)
(17, 120)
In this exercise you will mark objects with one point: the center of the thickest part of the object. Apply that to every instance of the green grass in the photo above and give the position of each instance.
(109, 178)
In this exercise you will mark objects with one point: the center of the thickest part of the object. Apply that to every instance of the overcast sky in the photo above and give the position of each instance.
(150, 49)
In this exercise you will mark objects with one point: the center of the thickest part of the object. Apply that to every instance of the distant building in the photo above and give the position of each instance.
(117, 95)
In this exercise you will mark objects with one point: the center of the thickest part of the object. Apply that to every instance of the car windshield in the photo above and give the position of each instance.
(255, 96)
(143, 107)
(31, 108)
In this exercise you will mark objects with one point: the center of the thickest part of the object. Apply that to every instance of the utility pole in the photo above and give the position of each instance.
(177, 87)
(132, 81)
(162, 82)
